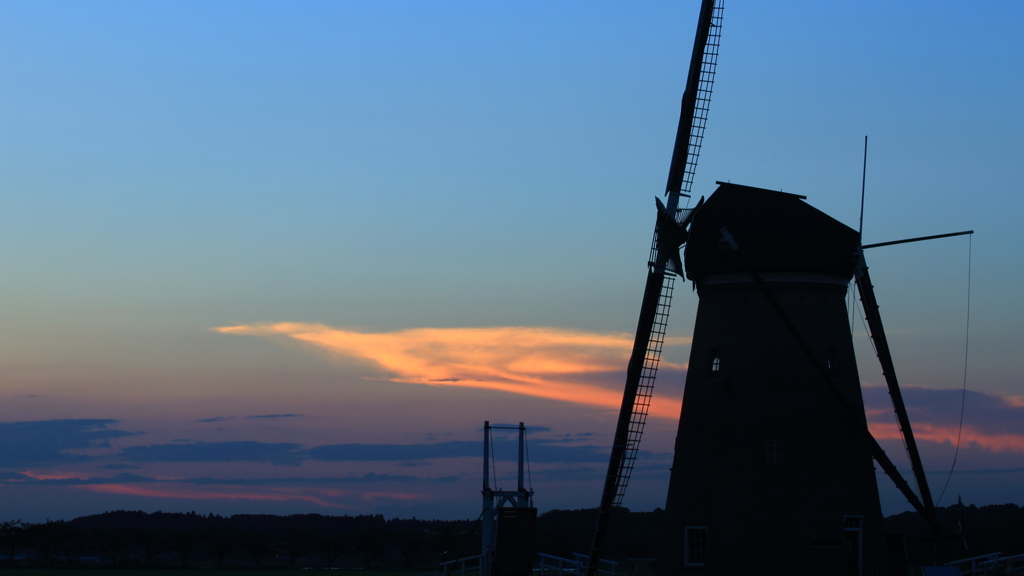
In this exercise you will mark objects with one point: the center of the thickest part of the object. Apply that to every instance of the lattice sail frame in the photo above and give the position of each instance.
(645, 390)
(709, 64)
(658, 263)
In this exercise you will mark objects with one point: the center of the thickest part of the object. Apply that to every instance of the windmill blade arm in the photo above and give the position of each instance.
(669, 235)
(693, 110)
(640, 374)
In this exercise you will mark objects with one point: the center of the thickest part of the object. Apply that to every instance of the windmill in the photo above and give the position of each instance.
(773, 464)
(664, 264)
(773, 458)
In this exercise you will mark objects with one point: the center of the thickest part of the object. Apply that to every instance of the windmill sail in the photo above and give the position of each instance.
(663, 265)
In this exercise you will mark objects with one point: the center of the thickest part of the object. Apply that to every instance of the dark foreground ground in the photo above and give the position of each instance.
(126, 542)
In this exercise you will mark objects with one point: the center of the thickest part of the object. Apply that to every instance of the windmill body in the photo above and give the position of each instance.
(770, 472)
(774, 464)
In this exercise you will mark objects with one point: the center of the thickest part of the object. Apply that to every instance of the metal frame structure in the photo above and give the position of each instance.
(493, 499)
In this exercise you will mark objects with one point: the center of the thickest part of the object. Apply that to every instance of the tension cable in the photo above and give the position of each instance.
(963, 390)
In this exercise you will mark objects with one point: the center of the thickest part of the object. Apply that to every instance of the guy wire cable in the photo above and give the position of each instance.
(963, 390)
(851, 299)
(864, 323)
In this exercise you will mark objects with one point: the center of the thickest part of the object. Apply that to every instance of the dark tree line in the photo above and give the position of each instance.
(996, 528)
(139, 539)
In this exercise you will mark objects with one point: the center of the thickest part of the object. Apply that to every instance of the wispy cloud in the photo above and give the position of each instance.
(118, 466)
(507, 450)
(287, 454)
(47, 441)
(274, 416)
(281, 454)
(991, 422)
(550, 363)
(221, 493)
(37, 479)
(330, 492)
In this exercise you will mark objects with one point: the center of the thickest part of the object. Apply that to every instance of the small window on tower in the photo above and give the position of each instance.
(716, 363)
(774, 451)
(830, 362)
(696, 545)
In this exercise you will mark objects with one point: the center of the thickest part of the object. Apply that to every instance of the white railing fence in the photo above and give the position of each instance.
(990, 564)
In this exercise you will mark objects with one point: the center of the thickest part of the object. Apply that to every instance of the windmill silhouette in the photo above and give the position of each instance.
(773, 460)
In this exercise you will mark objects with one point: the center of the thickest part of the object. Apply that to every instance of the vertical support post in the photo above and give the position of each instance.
(863, 180)
(487, 455)
(522, 438)
(487, 517)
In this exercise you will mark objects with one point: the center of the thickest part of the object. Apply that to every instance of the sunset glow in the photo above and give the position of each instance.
(541, 362)
(289, 257)
(947, 434)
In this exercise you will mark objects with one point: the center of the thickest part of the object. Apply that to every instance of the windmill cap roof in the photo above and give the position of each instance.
(774, 232)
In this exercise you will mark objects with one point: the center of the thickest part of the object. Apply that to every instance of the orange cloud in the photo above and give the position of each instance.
(540, 362)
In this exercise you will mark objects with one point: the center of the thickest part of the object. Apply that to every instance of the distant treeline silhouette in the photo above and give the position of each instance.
(127, 538)
(995, 528)
(161, 539)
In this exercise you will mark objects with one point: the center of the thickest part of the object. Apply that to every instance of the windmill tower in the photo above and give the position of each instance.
(773, 459)
(771, 467)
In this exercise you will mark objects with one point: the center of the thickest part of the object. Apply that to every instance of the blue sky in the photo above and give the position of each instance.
(309, 172)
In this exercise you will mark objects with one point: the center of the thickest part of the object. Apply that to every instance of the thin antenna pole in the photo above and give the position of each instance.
(863, 178)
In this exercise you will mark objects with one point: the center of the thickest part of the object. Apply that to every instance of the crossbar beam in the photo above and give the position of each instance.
(917, 239)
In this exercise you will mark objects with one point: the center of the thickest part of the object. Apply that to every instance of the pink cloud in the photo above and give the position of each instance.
(54, 475)
(992, 422)
(321, 497)
(940, 434)
(541, 362)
